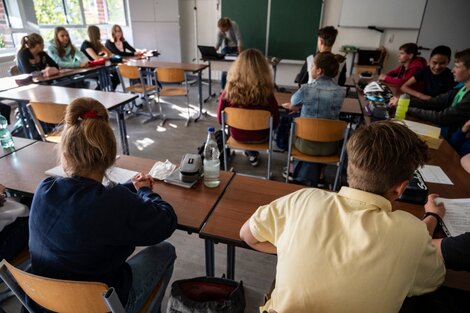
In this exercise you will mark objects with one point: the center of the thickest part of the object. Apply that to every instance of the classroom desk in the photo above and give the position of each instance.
(187, 67)
(8, 83)
(64, 95)
(20, 143)
(68, 76)
(239, 202)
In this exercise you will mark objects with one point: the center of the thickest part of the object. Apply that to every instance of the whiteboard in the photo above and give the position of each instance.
(382, 13)
(450, 29)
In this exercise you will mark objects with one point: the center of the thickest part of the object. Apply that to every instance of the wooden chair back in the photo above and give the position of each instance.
(170, 75)
(247, 119)
(46, 112)
(13, 70)
(61, 295)
(129, 71)
(320, 130)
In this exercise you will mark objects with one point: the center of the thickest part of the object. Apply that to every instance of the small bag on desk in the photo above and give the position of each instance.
(206, 295)
(416, 191)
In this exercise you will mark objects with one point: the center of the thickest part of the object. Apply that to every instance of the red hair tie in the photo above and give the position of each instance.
(89, 114)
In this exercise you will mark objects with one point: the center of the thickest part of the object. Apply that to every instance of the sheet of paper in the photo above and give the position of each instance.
(115, 174)
(434, 174)
(457, 217)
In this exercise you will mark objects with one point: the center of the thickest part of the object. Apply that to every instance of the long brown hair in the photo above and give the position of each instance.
(31, 41)
(88, 142)
(249, 80)
(60, 48)
(113, 33)
(94, 35)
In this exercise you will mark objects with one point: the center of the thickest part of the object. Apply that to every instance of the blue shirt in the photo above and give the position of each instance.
(322, 98)
(82, 230)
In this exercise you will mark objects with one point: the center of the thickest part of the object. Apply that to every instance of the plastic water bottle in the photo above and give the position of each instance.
(5, 135)
(211, 161)
(402, 106)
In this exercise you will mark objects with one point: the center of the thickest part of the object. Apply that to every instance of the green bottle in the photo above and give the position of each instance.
(402, 106)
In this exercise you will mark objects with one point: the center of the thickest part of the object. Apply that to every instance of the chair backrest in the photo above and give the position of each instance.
(247, 119)
(129, 71)
(13, 70)
(321, 130)
(46, 112)
(170, 75)
(61, 295)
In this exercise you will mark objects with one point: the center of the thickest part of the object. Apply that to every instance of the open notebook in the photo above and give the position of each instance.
(114, 174)
(456, 221)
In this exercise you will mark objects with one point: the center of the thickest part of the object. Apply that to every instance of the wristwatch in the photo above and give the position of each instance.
(435, 215)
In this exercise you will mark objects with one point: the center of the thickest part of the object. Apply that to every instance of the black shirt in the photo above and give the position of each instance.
(456, 252)
(85, 45)
(435, 85)
(26, 61)
(112, 47)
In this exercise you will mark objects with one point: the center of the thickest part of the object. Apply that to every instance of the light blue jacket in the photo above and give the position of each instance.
(322, 98)
(67, 61)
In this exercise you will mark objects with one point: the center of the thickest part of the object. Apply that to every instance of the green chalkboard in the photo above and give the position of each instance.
(251, 16)
(293, 25)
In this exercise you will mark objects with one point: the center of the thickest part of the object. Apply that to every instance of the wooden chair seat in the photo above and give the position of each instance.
(247, 146)
(53, 139)
(172, 92)
(139, 88)
(296, 154)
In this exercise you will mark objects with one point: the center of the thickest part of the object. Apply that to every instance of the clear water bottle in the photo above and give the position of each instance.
(211, 161)
(5, 136)
(402, 106)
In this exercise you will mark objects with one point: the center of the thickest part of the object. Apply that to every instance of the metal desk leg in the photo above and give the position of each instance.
(199, 87)
(211, 95)
(209, 257)
(122, 130)
(230, 262)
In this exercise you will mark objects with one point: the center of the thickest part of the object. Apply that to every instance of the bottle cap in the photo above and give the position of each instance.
(210, 129)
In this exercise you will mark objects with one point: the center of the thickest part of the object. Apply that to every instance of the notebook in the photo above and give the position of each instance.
(209, 53)
(175, 179)
(114, 174)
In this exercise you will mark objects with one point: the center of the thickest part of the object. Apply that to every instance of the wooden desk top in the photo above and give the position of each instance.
(241, 199)
(64, 95)
(20, 143)
(67, 72)
(350, 106)
(189, 67)
(193, 205)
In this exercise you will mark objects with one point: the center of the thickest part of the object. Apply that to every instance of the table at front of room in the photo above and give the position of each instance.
(187, 67)
(64, 95)
(23, 170)
(244, 195)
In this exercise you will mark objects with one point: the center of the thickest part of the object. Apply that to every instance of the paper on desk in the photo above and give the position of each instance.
(113, 174)
(434, 174)
(457, 217)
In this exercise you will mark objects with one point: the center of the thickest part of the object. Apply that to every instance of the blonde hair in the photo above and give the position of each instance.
(383, 154)
(249, 80)
(113, 33)
(94, 34)
(88, 142)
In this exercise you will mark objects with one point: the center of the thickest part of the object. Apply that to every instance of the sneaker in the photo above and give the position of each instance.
(253, 159)
(284, 174)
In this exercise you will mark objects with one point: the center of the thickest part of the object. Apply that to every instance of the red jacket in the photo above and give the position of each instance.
(249, 136)
(401, 74)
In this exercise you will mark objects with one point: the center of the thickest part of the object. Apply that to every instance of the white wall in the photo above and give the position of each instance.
(155, 24)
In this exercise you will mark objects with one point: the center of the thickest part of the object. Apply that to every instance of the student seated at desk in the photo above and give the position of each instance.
(434, 79)
(83, 230)
(410, 63)
(322, 98)
(348, 251)
(451, 109)
(94, 50)
(119, 45)
(64, 53)
(460, 140)
(13, 227)
(455, 252)
(250, 86)
(32, 58)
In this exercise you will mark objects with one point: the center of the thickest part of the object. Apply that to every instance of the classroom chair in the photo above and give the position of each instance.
(171, 79)
(319, 130)
(247, 120)
(22, 261)
(371, 61)
(50, 113)
(65, 296)
(133, 73)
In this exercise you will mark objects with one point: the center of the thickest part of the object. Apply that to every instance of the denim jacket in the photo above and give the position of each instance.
(322, 98)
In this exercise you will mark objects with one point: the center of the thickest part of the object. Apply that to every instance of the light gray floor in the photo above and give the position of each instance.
(170, 142)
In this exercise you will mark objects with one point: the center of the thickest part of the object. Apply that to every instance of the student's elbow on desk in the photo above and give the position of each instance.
(247, 236)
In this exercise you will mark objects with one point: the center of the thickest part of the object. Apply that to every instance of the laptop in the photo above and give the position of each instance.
(209, 53)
